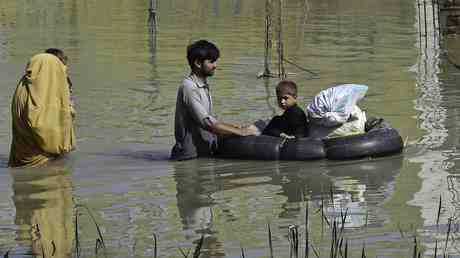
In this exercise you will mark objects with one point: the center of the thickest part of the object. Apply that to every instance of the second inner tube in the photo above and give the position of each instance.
(375, 143)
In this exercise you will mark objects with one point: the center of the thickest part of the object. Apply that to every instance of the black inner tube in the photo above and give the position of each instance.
(381, 140)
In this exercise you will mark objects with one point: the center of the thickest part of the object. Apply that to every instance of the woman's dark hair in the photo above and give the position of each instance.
(58, 53)
(201, 50)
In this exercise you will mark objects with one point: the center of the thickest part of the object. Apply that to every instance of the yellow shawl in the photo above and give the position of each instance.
(41, 113)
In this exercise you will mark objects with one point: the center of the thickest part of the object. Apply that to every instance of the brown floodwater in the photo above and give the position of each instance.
(125, 80)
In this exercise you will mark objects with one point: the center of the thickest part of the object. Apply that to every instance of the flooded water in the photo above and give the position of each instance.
(125, 82)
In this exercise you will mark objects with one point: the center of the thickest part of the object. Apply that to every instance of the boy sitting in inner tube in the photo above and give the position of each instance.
(293, 122)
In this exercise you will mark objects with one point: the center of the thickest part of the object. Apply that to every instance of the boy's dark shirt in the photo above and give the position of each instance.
(292, 122)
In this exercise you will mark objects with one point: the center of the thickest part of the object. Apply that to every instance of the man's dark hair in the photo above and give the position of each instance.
(201, 50)
(58, 53)
(286, 87)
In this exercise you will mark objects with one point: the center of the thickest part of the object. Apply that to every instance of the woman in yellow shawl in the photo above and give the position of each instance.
(41, 113)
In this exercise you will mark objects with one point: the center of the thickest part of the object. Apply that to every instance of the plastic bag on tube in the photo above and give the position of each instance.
(334, 106)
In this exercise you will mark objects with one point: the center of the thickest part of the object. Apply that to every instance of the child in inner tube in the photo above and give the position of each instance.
(293, 122)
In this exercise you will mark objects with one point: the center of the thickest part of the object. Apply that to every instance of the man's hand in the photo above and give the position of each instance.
(285, 136)
(224, 129)
(250, 130)
(237, 126)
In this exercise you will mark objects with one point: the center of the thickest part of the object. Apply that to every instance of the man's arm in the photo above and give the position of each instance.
(225, 129)
(207, 121)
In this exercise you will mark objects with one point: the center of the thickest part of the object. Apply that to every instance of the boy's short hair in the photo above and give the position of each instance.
(286, 87)
(201, 50)
(58, 53)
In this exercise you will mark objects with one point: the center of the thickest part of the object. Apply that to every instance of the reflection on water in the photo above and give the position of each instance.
(453, 183)
(438, 116)
(44, 211)
(210, 192)
(194, 185)
(362, 187)
(433, 118)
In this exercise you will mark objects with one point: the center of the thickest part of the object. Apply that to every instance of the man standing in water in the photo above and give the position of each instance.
(195, 127)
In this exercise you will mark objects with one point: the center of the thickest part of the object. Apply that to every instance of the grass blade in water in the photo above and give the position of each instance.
(197, 251)
(439, 211)
(270, 244)
(435, 249)
(77, 240)
(307, 250)
(98, 246)
(97, 226)
(363, 253)
(448, 234)
(183, 252)
(315, 252)
(346, 249)
(155, 250)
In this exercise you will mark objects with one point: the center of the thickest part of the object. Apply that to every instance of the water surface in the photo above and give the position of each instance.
(125, 82)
